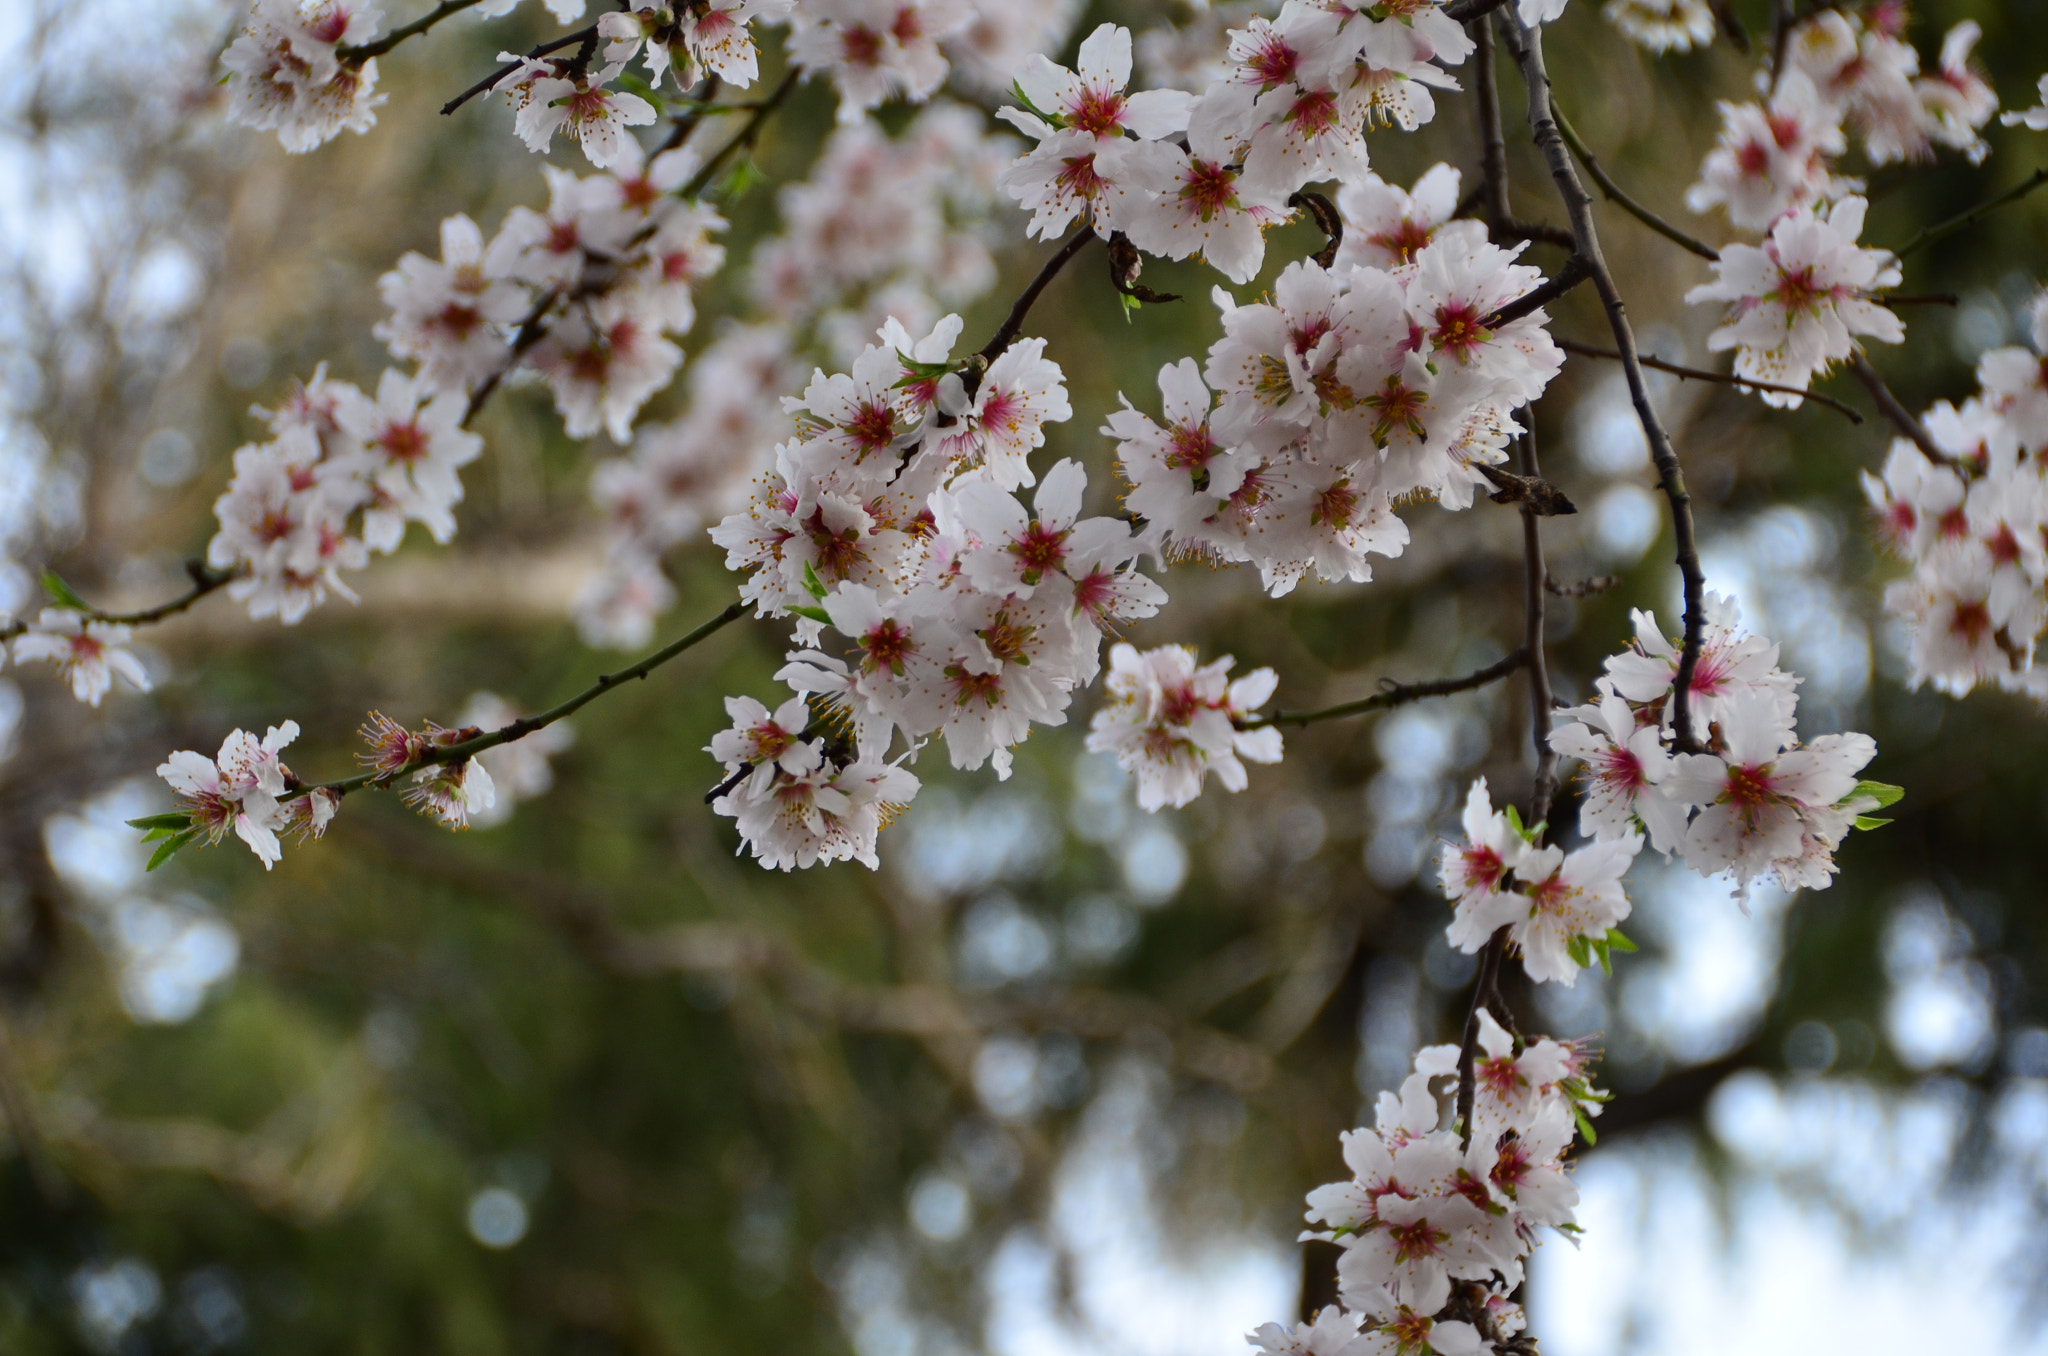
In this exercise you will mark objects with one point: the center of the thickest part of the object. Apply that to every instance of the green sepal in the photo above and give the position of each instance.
(176, 819)
(1870, 822)
(816, 614)
(1585, 1125)
(1580, 950)
(1130, 305)
(1882, 792)
(169, 848)
(1618, 939)
(60, 592)
(1017, 93)
(633, 84)
(812, 584)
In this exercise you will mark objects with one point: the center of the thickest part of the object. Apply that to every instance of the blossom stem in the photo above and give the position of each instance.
(1847, 411)
(526, 725)
(205, 579)
(1395, 694)
(1013, 324)
(1619, 196)
(357, 55)
(1547, 131)
(529, 333)
(483, 86)
(749, 133)
(1942, 230)
(1890, 407)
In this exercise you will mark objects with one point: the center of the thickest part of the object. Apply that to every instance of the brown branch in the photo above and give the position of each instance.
(1578, 204)
(1393, 694)
(1468, 1044)
(1013, 324)
(1327, 219)
(357, 55)
(1890, 407)
(1535, 581)
(484, 85)
(1849, 412)
(1574, 272)
(1493, 148)
(1619, 196)
(205, 579)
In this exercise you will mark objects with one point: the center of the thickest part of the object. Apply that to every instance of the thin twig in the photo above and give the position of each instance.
(1013, 324)
(530, 332)
(749, 133)
(1620, 197)
(1942, 230)
(1535, 585)
(357, 55)
(1394, 694)
(1493, 147)
(1782, 20)
(1571, 275)
(1468, 1044)
(205, 580)
(1583, 588)
(526, 725)
(1578, 204)
(484, 85)
(1919, 299)
(1891, 408)
(1849, 412)
(701, 107)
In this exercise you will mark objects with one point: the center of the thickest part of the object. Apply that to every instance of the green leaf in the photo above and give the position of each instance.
(60, 592)
(919, 371)
(740, 179)
(812, 584)
(1870, 822)
(1618, 939)
(1017, 93)
(1585, 1125)
(169, 848)
(628, 81)
(816, 614)
(1581, 951)
(1131, 305)
(1882, 792)
(175, 820)
(1606, 962)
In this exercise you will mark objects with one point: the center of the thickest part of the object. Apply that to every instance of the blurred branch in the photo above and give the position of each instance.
(1584, 588)
(1942, 230)
(1849, 412)
(1619, 196)
(748, 135)
(1393, 694)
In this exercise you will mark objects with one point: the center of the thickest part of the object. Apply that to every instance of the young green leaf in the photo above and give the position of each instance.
(816, 614)
(169, 848)
(60, 592)
(177, 819)
(1882, 792)
(1618, 939)
(812, 584)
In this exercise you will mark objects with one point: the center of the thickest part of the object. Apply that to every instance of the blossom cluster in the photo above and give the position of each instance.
(1437, 1221)
(1171, 723)
(1974, 526)
(610, 266)
(1844, 72)
(287, 71)
(245, 789)
(1382, 377)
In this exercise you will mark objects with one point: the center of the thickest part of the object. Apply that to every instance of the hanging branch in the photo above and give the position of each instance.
(1578, 204)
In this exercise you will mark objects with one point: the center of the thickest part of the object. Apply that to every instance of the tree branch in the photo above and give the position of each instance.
(1394, 694)
(1890, 407)
(357, 55)
(483, 86)
(1620, 197)
(1574, 272)
(1942, 230)
(1013, 324)
(205, 580)
(1849, 412)
(526, 725)
(1549, 137)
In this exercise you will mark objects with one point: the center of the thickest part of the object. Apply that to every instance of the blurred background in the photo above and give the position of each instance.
(1056, 1078)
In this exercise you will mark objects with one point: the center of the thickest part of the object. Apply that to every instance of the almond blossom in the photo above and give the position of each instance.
(450, 315)
(686, 39)
(1772, 159)
(87, 653)
(874, 49)
(1797, 304)
(413, 444)
(582, 106)
(1663, 25)
(1171, 724)
(1196, 200)
(239, 790)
